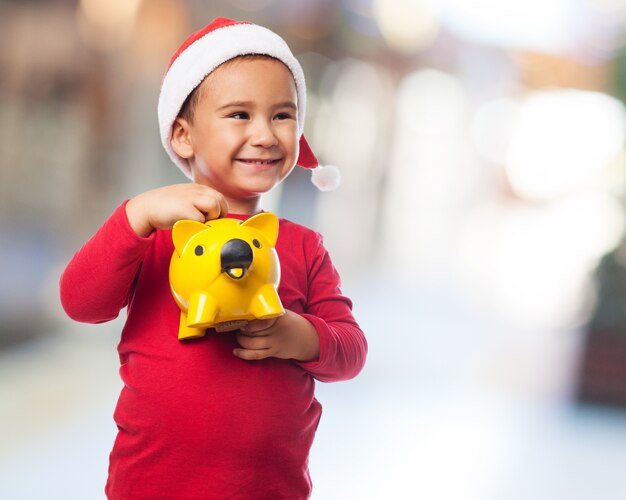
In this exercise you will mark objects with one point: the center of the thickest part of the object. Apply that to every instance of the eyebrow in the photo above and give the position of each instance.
(243, 104)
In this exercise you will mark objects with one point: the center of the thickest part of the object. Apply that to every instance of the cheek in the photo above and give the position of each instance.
(290, 141)
(216, 135)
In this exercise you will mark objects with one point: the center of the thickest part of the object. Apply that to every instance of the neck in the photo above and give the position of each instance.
(250, 206)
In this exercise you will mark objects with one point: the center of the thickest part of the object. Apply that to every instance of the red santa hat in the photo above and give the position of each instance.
(222, 40)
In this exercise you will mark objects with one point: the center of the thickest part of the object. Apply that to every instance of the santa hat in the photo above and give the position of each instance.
(218, 42)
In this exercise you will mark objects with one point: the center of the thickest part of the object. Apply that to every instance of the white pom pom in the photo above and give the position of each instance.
(326, 178)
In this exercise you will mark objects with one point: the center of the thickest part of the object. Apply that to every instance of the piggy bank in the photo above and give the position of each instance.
(224, 270)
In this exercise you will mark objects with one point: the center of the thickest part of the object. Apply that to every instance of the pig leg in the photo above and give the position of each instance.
(202, 310)
(185, 332)
(266, 303)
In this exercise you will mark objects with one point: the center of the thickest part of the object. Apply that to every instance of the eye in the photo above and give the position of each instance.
(240, 115)
(256, 243)
(199, 250)
(284, 116)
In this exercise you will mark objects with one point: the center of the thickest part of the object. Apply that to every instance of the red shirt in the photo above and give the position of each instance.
(194, 420)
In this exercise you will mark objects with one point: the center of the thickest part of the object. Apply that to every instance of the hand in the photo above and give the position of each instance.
(289, 336)
(161, 208)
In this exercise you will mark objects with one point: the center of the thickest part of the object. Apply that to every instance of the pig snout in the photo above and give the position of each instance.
(235, 258)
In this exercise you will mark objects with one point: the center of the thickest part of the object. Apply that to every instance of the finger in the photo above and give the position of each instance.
(212, 203)
(215, 211)
(251, 354)
(252, 342)
(197, 215)
(210, 210)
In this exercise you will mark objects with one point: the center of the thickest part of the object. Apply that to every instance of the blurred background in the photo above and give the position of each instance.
(479, 229)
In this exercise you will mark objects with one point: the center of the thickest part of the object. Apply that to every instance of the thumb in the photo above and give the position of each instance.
(251, 354)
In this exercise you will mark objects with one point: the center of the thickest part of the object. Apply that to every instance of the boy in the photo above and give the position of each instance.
(233, 414)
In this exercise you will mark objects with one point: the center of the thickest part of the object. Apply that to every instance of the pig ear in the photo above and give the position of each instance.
(183, 230)
(266, 223)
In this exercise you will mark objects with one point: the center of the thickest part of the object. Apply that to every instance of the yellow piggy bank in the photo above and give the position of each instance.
(224, 270)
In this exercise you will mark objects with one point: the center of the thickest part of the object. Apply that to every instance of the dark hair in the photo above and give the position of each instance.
(187, 110)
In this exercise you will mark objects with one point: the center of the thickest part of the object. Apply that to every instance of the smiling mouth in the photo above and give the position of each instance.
(258, 162)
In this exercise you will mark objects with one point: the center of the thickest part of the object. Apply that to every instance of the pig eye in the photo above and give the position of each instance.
(256, 243)
(199, 250)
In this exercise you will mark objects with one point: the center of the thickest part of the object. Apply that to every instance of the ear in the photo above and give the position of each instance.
(183, 230)
(266, 223)
(181, 138)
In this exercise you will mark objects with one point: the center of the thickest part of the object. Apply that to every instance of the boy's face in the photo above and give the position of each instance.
(243, 139)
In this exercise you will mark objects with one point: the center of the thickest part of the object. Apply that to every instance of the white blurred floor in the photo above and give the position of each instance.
(447, 408)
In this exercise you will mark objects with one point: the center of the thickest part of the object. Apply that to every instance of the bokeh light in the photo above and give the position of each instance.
(561, 139)
(407, 25)
(546, 25)
(492, 127)
(532, 263)
(107, 24)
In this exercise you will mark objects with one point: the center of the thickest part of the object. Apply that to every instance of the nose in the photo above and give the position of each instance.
(263, 134)
(235, 258)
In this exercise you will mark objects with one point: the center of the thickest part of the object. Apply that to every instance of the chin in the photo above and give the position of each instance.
(260, 187)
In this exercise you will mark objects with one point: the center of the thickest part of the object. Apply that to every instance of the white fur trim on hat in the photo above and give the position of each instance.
(204, 55)
(326, 177)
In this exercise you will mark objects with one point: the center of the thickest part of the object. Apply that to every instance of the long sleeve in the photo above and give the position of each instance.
(343, 347)
(97, 282)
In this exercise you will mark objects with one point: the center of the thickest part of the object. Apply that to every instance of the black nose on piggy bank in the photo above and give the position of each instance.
(236, 257)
